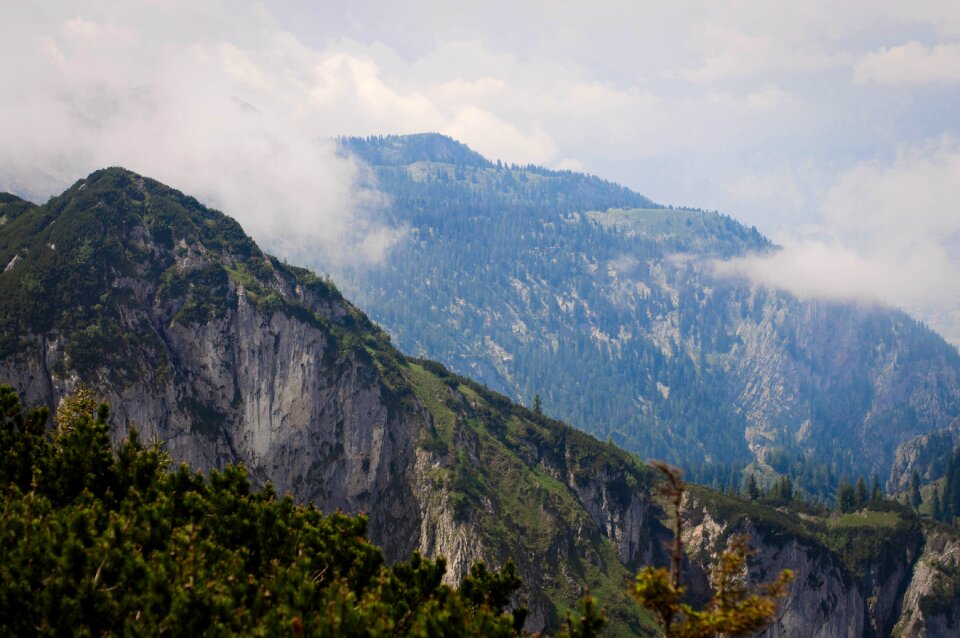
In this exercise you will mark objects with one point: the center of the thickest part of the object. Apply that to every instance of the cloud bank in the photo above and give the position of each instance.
(224, 109)
(889, 234)
(910, 63)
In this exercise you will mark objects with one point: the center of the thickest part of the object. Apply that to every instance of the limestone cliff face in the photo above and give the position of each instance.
(259, 388)
(831, 381)
(910, 586)
(822, 601)
(926, 454)
(931, 604)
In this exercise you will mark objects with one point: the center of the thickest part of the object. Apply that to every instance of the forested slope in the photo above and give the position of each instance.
(609, 308)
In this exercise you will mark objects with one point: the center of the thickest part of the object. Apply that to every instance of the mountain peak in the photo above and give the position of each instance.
(395, 150)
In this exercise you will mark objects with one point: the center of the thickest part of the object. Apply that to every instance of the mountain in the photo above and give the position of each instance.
(609, 307)
(227, 355)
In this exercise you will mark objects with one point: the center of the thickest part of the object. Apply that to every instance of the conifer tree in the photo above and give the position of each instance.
(101, 541)
(860, 494)
(876, 493)
(915, 498)
(752, 490)
(845, 496)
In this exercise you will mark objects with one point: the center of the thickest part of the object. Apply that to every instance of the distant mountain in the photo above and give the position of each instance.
(606, 305)
(224, 354)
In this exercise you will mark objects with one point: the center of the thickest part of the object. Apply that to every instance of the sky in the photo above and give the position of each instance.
(833, 127)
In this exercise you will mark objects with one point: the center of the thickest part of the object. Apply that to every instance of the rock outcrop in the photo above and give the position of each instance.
(931, 604)
(903, 582)
(926, 454)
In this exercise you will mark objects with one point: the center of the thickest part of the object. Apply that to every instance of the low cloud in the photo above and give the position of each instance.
(225, 114)
(769, 97)
(888, 234)
(910, 63)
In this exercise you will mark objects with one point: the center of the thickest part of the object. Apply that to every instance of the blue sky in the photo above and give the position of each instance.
(831, 126)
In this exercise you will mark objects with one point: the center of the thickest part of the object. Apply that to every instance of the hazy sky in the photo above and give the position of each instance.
(831, 126)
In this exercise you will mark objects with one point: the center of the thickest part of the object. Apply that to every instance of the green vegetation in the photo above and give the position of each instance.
(676, 229)
(873, 535)
(511, 475)
(99, 541)
(946, 591)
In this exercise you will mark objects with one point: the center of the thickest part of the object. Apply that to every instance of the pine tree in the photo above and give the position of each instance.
(99, 541)
(752, 489)
(876, 493)
(845, 496)
(937, 509)
(860, 494)
(951, 490)
(915, 498)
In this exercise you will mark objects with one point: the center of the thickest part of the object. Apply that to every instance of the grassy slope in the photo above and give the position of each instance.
(509, 483)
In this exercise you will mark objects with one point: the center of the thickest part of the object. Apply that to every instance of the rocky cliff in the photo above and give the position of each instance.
(931, 603)
(925, 454)
(876, 572)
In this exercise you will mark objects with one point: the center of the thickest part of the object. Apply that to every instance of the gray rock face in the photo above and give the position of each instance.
(926, 454)
(265, 390)
(911, 589)
(812, 376)
(931, 604)
(822, 601)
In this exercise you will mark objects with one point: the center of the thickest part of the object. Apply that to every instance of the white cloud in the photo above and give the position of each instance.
(227, 119)
(729, 52)
(769, 97)
(497, 138)
(889, 233)
(910, 63)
